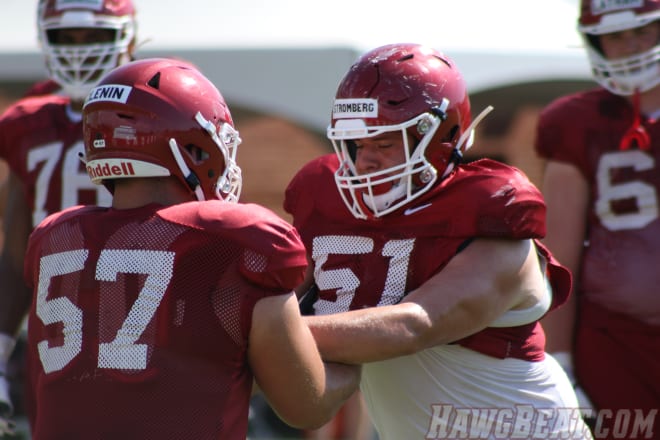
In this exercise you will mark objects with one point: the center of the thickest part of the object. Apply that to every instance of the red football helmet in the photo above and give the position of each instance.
(409, 88)
(621, 76)
(162, 117)
(78, 67)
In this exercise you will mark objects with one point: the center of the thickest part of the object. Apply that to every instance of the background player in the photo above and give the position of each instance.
(41, 138)
(601, 185)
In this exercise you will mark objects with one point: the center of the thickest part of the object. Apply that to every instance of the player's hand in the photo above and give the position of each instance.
(6, 408)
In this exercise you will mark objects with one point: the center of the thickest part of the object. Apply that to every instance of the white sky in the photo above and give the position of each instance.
(544, 25)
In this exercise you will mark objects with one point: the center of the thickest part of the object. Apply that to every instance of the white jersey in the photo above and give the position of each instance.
(490, 398)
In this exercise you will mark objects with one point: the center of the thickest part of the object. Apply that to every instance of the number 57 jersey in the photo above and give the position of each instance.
(140, 317)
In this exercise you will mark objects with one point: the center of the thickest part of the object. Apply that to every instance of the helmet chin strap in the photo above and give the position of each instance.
(637, 134)
(191, 178)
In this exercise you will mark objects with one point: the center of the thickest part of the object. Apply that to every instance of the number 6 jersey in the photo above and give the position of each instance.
(622, 249)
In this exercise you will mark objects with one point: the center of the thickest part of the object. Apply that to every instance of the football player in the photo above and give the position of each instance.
(428, 270)
(601, 184)
(151, 317)
(41, 138)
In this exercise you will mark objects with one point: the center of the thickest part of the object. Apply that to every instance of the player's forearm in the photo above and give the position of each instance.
(362, 336)
(342, 381)
(15, 296)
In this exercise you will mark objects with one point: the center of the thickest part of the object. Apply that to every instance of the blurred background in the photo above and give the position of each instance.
(278, 63)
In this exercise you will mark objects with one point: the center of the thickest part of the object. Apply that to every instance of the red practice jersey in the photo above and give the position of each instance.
(620, 262)
(41, 139)
(140, 320)
(45, 87)
(370, 263)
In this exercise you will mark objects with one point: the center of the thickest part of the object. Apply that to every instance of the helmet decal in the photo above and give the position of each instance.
(355, 108)
(85, 4)
(109, 93)
(607, 6)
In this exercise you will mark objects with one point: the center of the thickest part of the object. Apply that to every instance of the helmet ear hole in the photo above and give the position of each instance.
(196, 154)
(440, 154)
(452, 135)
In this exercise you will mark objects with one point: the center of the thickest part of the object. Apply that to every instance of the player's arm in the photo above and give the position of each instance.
(303, 390)
(14, 294)
(478, 285)
(566, 194)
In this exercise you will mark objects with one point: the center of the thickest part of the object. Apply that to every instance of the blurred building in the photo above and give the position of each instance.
(281, 100)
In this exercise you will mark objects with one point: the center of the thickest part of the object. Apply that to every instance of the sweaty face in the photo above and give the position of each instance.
(379, 152)
(631, 41)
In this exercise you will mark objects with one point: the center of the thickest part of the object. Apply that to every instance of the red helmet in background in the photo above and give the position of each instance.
(412, 89)
(78, 67)
(621, 76)
(162, 117)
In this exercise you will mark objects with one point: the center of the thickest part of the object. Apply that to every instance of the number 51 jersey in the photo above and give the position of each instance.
(140, 318)
(368, 263)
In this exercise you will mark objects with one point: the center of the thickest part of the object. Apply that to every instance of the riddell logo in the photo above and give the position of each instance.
(109, 169)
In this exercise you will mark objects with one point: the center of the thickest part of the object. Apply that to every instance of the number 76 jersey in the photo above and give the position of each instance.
(41, 138)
